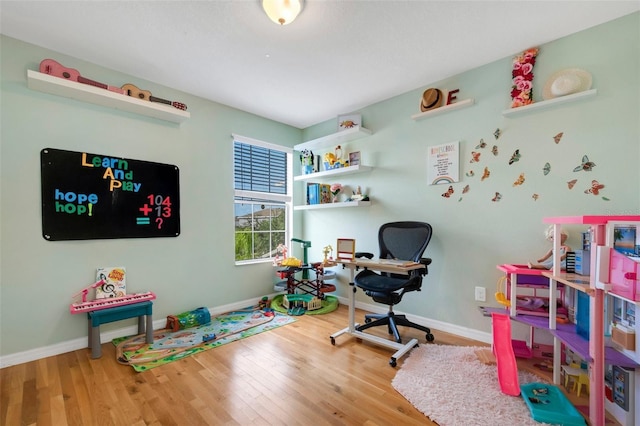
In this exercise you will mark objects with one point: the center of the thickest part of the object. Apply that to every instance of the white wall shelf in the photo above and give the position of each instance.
(338, 138)
(444, 109)
(86, 93)
(334, 205)
(334, 172)
(543, 105)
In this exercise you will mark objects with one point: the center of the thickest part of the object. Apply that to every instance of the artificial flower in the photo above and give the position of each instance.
(522, 78)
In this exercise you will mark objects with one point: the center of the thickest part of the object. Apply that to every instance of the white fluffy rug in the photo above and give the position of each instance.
(451, 387)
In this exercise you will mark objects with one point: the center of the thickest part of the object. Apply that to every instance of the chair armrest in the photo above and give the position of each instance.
(426, 262)
(359, 254)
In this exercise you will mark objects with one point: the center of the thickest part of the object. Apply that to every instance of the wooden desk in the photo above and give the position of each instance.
(382, 266)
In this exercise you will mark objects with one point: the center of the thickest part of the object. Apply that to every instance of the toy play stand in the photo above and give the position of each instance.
(316, 286)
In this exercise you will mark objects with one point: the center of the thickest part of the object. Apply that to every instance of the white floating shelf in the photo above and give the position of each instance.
(86, 93)
(334, 205)
(441, 110)
(542, 105)
(338, 138)
(328, 173)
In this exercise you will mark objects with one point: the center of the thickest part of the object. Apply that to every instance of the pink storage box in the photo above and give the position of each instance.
(624, 274)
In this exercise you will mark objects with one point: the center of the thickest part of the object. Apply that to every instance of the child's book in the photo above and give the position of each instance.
(114, 282)
(313, 193)
(325, 194)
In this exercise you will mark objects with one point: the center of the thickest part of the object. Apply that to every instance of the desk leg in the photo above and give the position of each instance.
(96, 347)
(141, 322)
(149, 329)
(351, 328)
(352, 301)
(90, 334)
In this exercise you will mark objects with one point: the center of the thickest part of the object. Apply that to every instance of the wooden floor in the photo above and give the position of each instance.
(291, 375)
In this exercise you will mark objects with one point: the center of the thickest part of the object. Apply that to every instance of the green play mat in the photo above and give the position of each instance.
(329, 304)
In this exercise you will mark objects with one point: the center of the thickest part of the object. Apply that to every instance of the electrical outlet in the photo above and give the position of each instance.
(481, 294)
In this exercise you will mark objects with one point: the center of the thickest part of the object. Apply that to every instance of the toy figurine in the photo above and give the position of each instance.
(546, 261)
(327, 260)
(306, 159)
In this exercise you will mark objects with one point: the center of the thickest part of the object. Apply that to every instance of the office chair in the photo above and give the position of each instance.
(403, 241)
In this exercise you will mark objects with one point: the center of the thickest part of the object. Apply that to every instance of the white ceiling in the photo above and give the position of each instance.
(337, 57)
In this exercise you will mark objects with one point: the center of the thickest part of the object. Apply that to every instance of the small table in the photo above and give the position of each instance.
(382, 266)
(103, 316)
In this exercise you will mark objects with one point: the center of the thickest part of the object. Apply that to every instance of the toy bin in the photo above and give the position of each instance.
(623, 276)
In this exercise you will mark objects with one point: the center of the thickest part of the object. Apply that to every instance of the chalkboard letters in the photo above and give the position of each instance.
(79, 199)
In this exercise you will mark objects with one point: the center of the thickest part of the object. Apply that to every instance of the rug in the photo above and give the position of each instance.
(329, 304)
(172, 346)
(452, 387)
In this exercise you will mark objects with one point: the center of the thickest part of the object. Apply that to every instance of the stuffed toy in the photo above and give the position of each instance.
(306, 159)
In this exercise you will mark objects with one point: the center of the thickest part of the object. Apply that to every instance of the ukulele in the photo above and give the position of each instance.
(135, 92)
(51, 67)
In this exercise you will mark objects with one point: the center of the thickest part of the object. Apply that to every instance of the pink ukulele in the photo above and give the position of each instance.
(51, 67)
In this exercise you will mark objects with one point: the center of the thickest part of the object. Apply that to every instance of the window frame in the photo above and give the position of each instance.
(265, 197)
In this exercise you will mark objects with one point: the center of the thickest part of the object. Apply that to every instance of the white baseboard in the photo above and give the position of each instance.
(82, 342)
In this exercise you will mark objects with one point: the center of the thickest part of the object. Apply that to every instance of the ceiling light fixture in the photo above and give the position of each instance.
(282, 12)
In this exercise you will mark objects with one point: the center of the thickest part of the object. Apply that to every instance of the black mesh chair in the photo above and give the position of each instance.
(402, 241)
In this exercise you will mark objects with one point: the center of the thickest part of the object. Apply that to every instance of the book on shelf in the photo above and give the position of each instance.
(313, 193)
(325, 194)
(114, 282)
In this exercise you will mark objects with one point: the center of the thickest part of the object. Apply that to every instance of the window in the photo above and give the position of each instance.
(263, 201)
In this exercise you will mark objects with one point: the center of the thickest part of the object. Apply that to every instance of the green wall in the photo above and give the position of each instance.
(195, 269)
(472, 234)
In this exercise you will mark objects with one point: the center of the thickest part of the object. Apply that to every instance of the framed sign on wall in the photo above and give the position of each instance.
(443, 164)
(93, 196)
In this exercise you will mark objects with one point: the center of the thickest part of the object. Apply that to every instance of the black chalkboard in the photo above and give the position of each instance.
(93, 196)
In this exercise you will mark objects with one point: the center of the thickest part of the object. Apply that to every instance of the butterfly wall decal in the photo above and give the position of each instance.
(535, 197)
(520, 180)
(465, 189)
(497, 133)
(546, 169)
(485, 174)
(470, 173)
(482, 144)
(586, 165)
(494, 150)
(595, 188)
(515, 157)
(572, 183)
(497, 197)
(449, 192)
(475, 157)
(557, 137)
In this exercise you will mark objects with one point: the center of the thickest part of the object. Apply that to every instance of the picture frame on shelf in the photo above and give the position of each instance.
(354, 158)
(349, 121)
